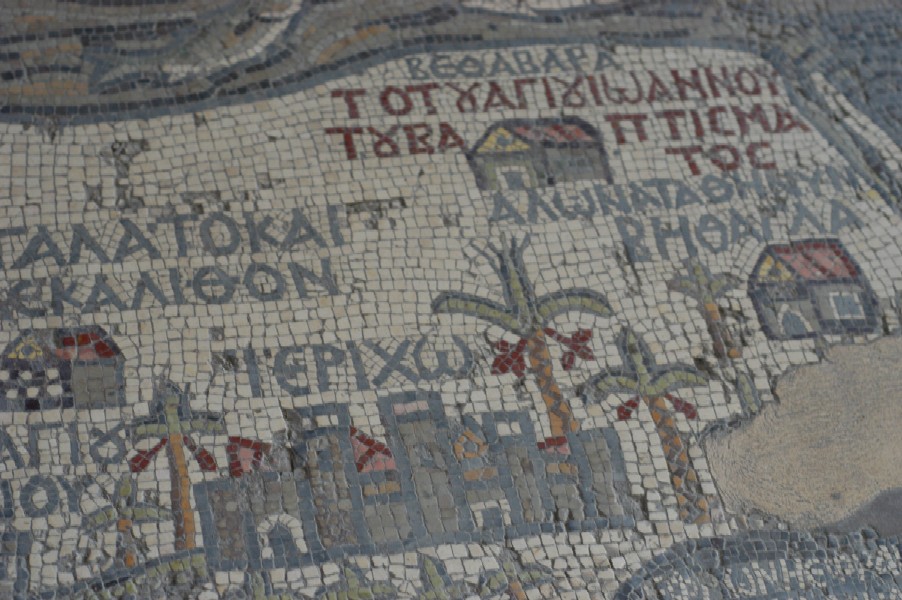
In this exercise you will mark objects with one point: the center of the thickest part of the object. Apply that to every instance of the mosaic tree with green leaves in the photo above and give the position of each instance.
(125, 511)
(513, 579)
(527, 315)
(437, 584)
(698, 283)
(258, 587)
(353, 585)
(171, 422)
(652, 385)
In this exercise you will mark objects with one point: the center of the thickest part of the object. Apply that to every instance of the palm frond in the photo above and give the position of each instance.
(467, 304)
(721, 283)
(700, 284)
(685, 285)
(145, 430)
(353, 586)
(437, 585)
(207, 425)
(672, 378)
(498, 580)
(582, 300)
(518, 290)
(101, 518)
(611, 382)
(125, 490)
(490, 255)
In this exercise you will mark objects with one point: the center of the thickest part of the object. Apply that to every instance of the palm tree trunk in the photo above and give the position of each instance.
(693, 505)
(723, 341)
(182, 510)
(126, 543)
(515, 588)
(541, 365)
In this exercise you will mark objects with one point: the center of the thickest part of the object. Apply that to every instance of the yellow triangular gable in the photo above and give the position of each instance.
(27, 349)
(502, 140)
(774, 270)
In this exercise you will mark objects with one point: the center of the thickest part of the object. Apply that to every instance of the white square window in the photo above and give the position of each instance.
(846, 305)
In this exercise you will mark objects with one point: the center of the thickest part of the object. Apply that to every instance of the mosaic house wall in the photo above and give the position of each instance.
(467, 300)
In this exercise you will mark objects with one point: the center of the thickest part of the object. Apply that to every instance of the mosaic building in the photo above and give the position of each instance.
(810, 288)
(79, 368)
(526, 154)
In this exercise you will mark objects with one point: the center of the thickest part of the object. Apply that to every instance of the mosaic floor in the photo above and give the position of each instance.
(528, 299)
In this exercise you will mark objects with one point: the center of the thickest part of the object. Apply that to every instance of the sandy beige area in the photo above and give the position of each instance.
(832, 443)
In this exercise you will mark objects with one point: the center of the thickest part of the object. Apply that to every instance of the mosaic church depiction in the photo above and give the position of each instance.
(477, 299)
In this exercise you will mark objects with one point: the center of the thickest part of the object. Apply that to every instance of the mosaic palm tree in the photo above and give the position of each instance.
(527, 316)
(171, 423)
(705, 289)
(353, 585)
(258, 587)
(437, 584)
(125, 511)
(652, 385)
(513, 579)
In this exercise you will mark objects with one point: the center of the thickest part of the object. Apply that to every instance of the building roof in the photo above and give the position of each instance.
(54, 345)
(520, 135)
(807, 260)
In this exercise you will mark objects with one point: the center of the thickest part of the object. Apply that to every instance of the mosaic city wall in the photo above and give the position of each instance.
(488, 317)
